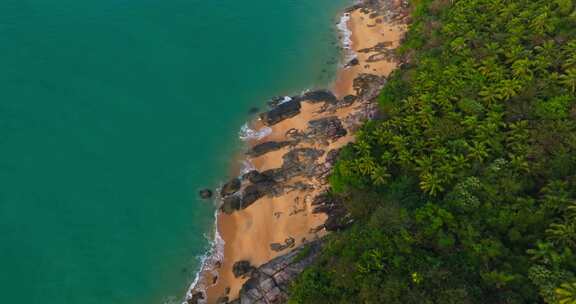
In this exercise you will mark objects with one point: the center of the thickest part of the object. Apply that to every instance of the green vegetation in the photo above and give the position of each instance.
(465, 191)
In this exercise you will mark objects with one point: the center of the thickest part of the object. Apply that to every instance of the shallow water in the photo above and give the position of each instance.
(113, 114)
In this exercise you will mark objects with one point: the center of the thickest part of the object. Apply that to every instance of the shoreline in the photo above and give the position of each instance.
(273, 225)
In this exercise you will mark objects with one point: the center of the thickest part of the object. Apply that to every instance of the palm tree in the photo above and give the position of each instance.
(541, 24)
(477, 151)
(563, 233)
(544, 252)
(522, 69)
(490, 94)
(379, 175)
(431, 183)
(569, 79)
(566, 293)
(509, 88)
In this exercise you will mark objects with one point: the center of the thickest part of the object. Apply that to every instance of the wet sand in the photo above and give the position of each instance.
(248, 233)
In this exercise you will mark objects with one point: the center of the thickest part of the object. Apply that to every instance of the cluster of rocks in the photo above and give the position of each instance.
(286, 107)
(269, 283)
(239, 194)
(281, 112)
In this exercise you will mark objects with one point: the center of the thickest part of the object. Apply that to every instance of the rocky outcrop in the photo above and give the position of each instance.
(338, 217)
(368, 86)
(231, 204)
(250, 195)
(280, 112)
(288, 243)
(329, 128)
(319, 96)
(256, 177)
(269, 283)
(242, 269)
(231, 187)
(263, 148)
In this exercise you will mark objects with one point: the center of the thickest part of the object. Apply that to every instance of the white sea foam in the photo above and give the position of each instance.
(247, 166)
(346, 37)
(286, 99)
(208, 263)
(246, 133)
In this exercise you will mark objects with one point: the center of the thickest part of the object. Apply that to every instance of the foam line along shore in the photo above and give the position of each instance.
(273, 209)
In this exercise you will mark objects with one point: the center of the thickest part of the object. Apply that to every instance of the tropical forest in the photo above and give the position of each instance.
(464, 188)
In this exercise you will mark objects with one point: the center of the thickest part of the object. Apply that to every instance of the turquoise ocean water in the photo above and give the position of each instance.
(113, 114)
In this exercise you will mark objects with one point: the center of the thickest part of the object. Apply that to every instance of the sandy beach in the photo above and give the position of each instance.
(248, 233)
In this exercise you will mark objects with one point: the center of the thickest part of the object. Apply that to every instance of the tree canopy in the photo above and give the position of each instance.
(468, 179)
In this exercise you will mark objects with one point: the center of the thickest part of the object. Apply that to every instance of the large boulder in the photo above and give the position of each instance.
(269, 146)
(205, 193)
(231, 204)
(242, 269)
(251, 194)
(256, 177)
(327, 127)
(230, 187)
(319, 96)
(348, 100)
(282, 111)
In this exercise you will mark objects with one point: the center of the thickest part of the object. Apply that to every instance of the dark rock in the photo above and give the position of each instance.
(288, 243)
(348, 100)
(222, 300)
(256, 177)
(280, 112)
(231, 204)
(368, 86)
(322, 199)
(319, 96)
(327, 127)
(302, 155)
(230, 187)
(332, 156)
(277, 100)
(242, 269)
(253, 110)
(196, 297)
(353, 62)
(337, 221)
(205, 193)
(250, 195)
(270, 282)
(266, 147)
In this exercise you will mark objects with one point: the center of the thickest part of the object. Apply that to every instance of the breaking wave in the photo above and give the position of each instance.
(246, 133)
